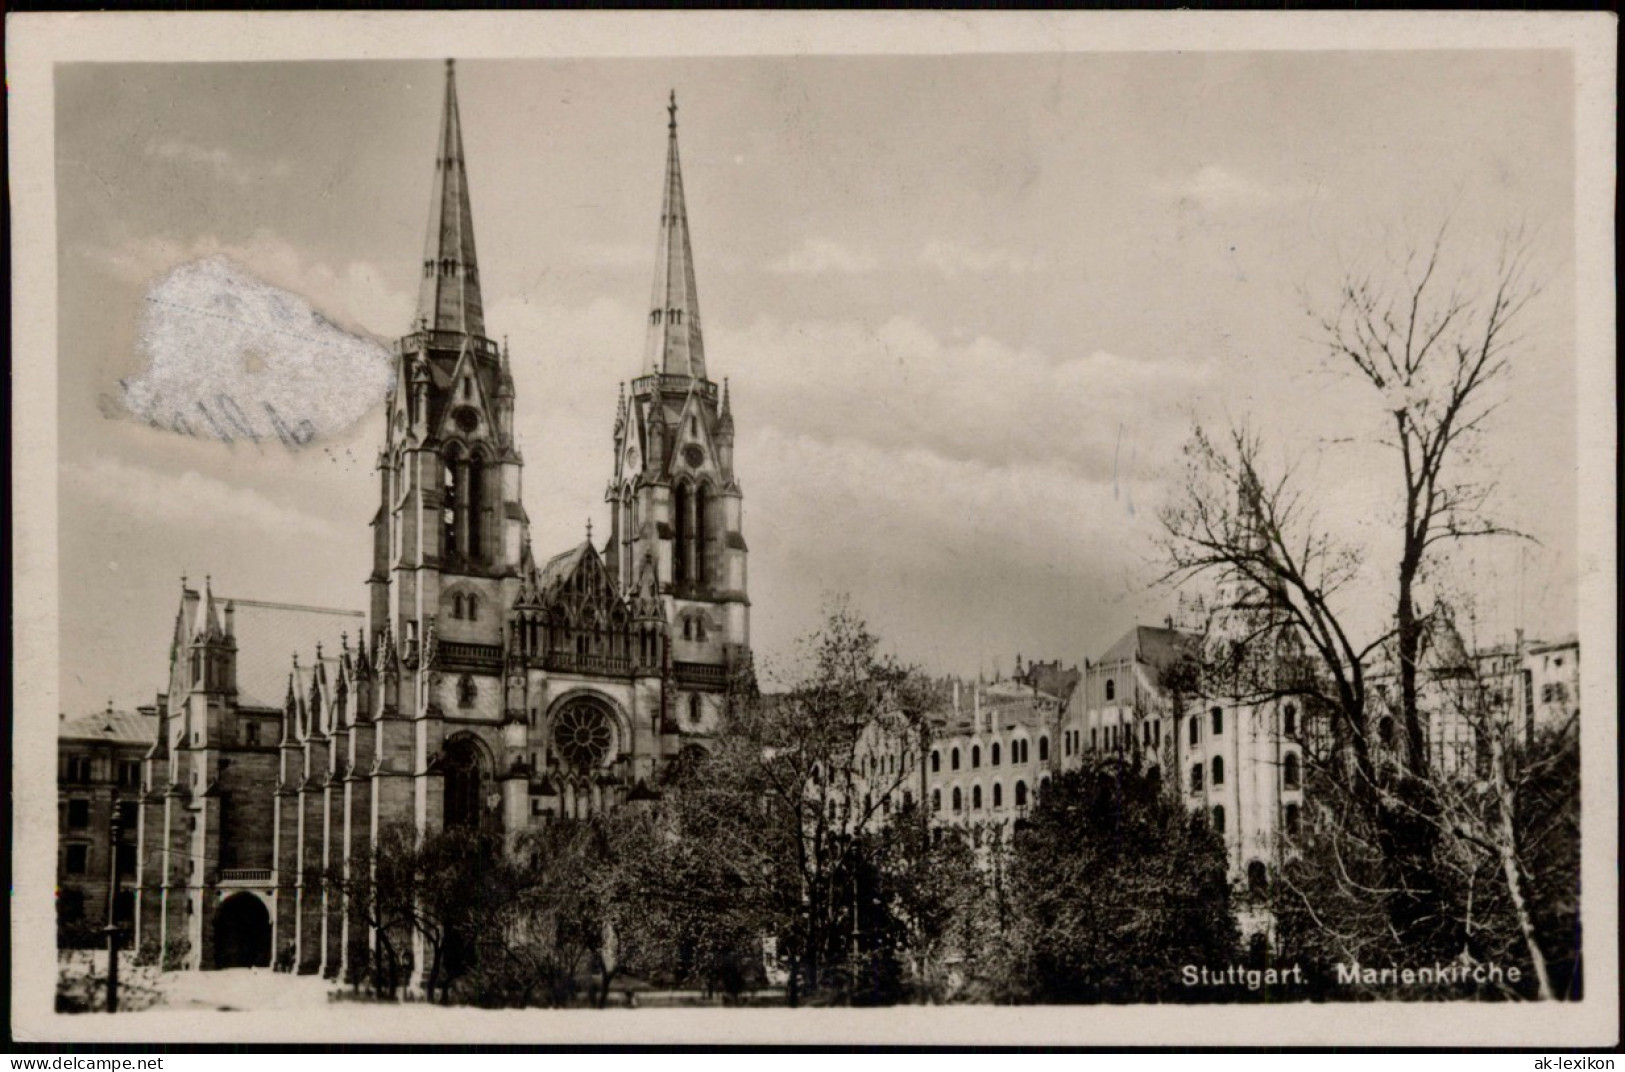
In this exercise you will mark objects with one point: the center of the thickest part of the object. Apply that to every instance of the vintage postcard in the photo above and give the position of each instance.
(931, 529)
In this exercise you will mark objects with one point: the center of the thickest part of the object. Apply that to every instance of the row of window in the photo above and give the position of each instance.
(127, 772)
(1019, 753)
(958, 799)
(1291, 775)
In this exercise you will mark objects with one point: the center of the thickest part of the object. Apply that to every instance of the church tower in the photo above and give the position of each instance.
(449, 530)
(677, 507)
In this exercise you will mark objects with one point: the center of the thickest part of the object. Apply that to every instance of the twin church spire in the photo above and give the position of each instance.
(449, 298)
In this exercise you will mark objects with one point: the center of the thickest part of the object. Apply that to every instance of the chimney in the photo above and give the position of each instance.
(231, 618)
(956, 696)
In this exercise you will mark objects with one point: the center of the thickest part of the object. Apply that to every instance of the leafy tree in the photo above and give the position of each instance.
(1114, 887)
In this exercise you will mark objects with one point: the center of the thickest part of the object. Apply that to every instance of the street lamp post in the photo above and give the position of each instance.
(112, 910)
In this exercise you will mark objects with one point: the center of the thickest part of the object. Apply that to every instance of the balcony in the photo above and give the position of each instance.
(453, 654)
(674, 383)
(569, 662)
(700, 673)
(419, 341)
(245, 876)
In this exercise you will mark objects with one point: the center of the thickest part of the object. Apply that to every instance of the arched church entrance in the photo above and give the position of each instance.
(242, 933)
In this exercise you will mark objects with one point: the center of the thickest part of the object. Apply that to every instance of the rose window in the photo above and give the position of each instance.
(582, 736)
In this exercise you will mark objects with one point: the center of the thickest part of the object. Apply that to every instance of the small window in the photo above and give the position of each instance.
(78, 768)
(936, 800)
(976, 798)
(1094, 739)
(936, 764)
(78, 814)
(975, 756)
(957, 802)
(1021, 794)
(1218, 770)
(1196, 777)
(695, 714)
(129, 770)
(251, 732)
(1111, 690)
(78, 859)
(1043, 749)
(1258, 877)
(995, 756)
(1218, 818)
(457, 606)
(1196, 731)
(1292, 819)
(1218, 720)
(998, 795)
(953, 760)
(1289, 771)
(1289, 720)
(473, 607)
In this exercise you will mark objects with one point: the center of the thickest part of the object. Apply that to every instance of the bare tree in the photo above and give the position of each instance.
(1434, 351)
(1289, 591)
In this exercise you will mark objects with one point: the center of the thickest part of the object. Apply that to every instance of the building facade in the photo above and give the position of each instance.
(98, 776)
(485, 686)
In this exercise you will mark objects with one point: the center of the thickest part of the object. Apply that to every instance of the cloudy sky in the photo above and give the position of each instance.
(969, 307)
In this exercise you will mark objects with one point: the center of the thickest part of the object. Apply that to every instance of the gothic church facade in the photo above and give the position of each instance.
(488, 687)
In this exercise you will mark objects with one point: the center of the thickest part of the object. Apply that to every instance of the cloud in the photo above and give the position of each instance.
(223, 164)
(899, 385)
(1217, 189)
(822, 256)
(137, 491)
(953, 260)
(355, 294)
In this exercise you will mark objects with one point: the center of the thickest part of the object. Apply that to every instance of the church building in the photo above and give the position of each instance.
(486, 686)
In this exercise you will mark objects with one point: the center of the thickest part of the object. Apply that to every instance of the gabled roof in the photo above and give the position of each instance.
(1154, 645)
(562, 566)
(268, 635)
(118, 727)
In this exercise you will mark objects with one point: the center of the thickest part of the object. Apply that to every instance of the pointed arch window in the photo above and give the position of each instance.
(476, 507)
(680, 560)
(472, 606)
(702, 529)
(450, 501)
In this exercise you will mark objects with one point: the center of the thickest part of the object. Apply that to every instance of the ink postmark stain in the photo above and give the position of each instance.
(234, 359)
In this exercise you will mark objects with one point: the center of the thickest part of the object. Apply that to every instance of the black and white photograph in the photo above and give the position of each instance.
(648, 527)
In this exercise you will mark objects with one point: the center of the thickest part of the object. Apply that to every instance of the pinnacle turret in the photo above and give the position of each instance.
(675, 345)
(449, 292)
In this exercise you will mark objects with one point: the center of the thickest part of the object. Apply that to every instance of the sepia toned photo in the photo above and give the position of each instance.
(1117, 546)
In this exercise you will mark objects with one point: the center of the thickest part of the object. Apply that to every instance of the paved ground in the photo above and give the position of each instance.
(242, 989)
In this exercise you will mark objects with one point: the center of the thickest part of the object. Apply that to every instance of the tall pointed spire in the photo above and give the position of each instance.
(674, 345)
(449, 294)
